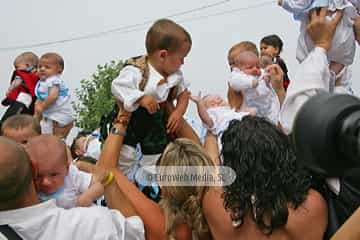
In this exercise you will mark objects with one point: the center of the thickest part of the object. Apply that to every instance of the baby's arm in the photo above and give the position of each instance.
(202, 111)
(87, 198)
(96, 188)
(182, 101)
(15, 83)
(40, 106)
(240, 81)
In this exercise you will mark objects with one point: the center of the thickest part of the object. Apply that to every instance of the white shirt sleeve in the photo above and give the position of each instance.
(313, 75)
(240, 81)
(126, 87)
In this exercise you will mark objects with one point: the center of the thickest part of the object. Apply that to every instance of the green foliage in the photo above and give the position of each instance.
(94, 96)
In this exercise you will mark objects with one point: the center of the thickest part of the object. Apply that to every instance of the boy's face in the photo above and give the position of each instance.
(268, 50)
(48, 67)
(21, 135)
(251, 67)
(214, 101)
(172, 61)
(51, 173)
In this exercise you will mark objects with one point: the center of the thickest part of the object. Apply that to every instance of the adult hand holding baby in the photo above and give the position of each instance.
(321, 30)
(276, 77)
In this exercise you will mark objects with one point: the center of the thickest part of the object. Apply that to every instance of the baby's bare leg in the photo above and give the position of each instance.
(63, 131)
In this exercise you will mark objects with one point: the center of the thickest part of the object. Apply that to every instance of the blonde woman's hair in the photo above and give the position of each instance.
(183, 204)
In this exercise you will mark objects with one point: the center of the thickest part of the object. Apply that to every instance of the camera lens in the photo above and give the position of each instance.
(326, 133)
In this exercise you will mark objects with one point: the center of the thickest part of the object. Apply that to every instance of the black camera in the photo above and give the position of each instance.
(326, 133)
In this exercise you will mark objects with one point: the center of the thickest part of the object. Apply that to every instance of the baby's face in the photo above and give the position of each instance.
(251, 67)
(50, 175)
(48, 67)
(214, 101)
(21, 66)
(82, 144)
(20, 135)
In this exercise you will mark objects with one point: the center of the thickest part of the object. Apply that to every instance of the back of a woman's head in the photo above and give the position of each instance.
(268, 177)
(184, 203)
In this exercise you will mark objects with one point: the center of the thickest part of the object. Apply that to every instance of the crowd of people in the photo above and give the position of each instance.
(96, 190)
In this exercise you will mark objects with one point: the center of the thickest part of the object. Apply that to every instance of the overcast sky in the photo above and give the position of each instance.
(213, 30)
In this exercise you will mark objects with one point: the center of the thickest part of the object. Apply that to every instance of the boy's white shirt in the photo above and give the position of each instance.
(126, 86)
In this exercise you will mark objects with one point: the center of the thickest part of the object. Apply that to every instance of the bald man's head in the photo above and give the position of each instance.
(46, 148)
(48, 154)
(15, 173)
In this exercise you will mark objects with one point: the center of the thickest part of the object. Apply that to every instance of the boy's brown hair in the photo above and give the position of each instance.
(51, 55)
(165, 34)
(29, 58)
(21, 121)
(241, 47)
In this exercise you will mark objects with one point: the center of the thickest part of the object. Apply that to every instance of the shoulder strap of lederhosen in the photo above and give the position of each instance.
(141, 63)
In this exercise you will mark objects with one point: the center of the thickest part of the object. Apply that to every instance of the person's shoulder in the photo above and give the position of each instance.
(87, 215)
(313, 209)
(85, 221)
(315, 204)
